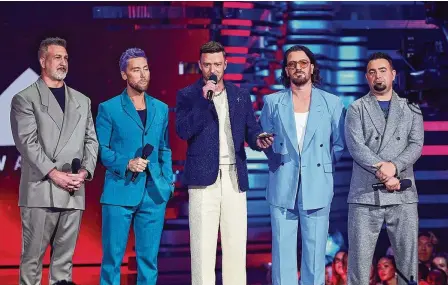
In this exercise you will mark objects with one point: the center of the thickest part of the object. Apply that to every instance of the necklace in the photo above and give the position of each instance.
(219, 92)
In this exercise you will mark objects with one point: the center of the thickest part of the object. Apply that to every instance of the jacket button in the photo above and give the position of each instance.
(54, 160)
(376, 138)
(398, 138)
(283, 163)
(281, 144)
(321, 145)
(318, 165)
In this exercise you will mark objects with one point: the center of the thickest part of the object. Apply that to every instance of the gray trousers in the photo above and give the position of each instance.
(364, 225)
(41, 227)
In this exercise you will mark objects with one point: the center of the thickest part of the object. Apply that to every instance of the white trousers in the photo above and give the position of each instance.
(222, 206)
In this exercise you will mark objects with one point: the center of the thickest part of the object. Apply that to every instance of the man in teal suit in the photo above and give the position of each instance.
(125, 124)
(308, 126)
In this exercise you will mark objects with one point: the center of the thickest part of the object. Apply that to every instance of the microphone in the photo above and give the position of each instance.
(76, 166)
(214, 78)
(147, 150)
(404, 184)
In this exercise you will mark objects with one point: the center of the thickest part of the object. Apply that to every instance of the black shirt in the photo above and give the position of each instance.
(142, 114)
(59, 94)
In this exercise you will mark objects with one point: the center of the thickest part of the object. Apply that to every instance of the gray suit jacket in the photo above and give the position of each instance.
(370, 139)
(47, 138)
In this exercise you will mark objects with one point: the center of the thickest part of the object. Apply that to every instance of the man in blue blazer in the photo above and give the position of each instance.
(309, 139)
(125, 124)
(216, 120)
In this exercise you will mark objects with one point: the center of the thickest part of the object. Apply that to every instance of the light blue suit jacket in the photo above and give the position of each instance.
(322, 147)
(122, 136)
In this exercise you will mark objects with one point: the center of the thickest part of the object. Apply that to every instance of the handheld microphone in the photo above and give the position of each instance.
(214, 78)
(76, 166)
(147, 150)
(404, 184)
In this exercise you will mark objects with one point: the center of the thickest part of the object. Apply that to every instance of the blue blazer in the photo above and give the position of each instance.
(121, 136)
(322, 147)
(197, 123)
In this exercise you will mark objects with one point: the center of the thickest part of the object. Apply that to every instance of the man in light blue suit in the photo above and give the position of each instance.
(308, 126)
(125, 124)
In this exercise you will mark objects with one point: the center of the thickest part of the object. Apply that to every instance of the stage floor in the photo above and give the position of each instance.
(91, 276)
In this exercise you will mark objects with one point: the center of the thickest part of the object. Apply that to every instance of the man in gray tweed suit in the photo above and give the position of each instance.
(52, 125)
(384, 135)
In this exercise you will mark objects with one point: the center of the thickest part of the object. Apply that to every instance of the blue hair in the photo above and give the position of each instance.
(128, 54)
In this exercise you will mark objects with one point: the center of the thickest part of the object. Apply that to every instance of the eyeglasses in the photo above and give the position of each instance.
(293, 64)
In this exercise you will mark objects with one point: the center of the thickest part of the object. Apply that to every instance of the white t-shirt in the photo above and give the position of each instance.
(226, 147)
(301, 119)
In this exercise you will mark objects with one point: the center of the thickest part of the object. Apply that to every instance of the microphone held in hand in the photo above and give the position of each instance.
(214, 78)
(76, 166)
(404, 184)
(147, 150)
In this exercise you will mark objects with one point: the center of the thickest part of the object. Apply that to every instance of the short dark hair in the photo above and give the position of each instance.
(315, 77)
(212, 47)
(380, 55)
(43, 48)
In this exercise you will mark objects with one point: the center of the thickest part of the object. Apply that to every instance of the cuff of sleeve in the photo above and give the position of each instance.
(89, 174)
(398, 167)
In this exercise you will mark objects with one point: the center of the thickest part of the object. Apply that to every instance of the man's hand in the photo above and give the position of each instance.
(386, 171)
(393, 184)
(265, 142)
(63, 180)
(137, 164)
(210, 85)
(79, 178)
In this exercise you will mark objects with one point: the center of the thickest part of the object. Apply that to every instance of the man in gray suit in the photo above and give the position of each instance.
(52, 125)
(384, 135)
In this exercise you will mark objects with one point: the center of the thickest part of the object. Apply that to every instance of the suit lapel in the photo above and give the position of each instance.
(150, 111)
(376, 114)
(50, 105)
(393, 119)
(130, 110)
(314, 117)
(71, 119)
(286, 113)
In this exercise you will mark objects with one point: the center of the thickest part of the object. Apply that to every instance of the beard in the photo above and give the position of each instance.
(59, 74)
(379, 87)
(301, 80)
(139, 86)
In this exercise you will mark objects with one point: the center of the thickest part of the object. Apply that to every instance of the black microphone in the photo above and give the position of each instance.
(214, 78)
(147, 150)
(76, 166)
(404, 184)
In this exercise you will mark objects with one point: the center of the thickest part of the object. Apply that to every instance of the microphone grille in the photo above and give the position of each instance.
(213, 77)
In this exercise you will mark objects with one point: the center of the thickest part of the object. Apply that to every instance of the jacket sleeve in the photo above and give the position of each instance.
(90, 146)
(413, 150)
(253, 129)
(191, 115)
(356, 144)
(25, 134)
(337, 131)
(112, 160)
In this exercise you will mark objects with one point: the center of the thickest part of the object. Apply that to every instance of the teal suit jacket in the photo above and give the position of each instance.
(322, 147)
(122, 136)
